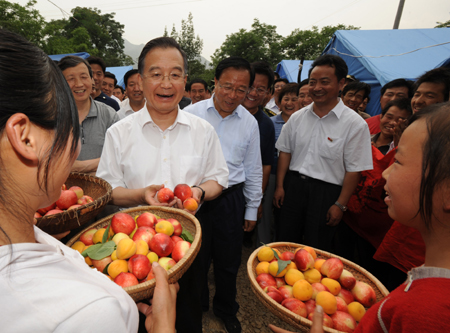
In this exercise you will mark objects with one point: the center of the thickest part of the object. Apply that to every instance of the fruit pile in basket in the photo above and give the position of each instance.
(125, 249)
(299, 281)
(71, 198)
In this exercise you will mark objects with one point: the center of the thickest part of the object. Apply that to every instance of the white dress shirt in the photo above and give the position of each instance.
(137, 153)
(239, 137)
(116, 99)
(125, 109)
(271, 105)
(328, 147)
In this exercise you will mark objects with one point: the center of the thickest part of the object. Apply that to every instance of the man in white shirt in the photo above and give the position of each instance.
(161, 145)
(135, 100)
(323, 148)
(235, 211)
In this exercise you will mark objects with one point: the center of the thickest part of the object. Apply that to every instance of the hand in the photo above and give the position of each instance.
(398, 130)
(260, 211)
(150, 196)
(249, 225)
(161, 314)
(334, 216)
(278, 197)
(317, 323)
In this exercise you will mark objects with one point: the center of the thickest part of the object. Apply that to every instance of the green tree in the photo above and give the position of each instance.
(192, 45)
(262, 42)
(88, 30)
(443, 25)
(309, 44)
(23, 20)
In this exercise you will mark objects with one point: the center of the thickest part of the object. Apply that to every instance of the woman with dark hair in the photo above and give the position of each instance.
(418, 195)
(44, 285)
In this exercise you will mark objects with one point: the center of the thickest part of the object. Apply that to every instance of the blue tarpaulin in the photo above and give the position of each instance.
(288, 69)
(380, 56)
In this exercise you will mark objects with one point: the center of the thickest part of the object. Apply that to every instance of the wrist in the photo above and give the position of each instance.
(341, 207)
(202, 196)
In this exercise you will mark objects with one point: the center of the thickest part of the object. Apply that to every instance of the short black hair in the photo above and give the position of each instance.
(339, 65)
(398, 83)
(236, 63)
(263, 68)
(73, 61)
(128, 74)
(187, 87)
(197, 80)
(303, 83)
(440, 75)
(290, 88)
(278, 80)
(357, 86)
(162, 43)
(401, 103)
(119, 87)
(98, 61)
(111, 76)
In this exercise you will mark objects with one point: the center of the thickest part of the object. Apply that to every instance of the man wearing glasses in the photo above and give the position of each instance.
(225, 219)
(162, 145)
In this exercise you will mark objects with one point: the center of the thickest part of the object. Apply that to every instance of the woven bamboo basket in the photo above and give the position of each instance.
(189, 222)
(300, 323)
(98, 189)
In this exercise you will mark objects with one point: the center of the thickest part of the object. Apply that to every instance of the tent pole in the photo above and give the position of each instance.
(399, 14)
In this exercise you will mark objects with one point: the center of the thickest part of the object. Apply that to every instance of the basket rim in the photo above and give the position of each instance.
(43, 221)
(195, 246)
(287, 315)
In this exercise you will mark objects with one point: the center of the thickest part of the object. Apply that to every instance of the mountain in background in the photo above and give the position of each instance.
(135, 50)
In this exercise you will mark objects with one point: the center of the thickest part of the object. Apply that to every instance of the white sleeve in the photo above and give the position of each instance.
(358, 150)
(109, 166)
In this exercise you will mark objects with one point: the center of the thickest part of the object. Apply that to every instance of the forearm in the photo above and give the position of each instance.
(351, 180)
(87, 166)
(284, 159)
(266, 175)
(212, 189)
(125, 197)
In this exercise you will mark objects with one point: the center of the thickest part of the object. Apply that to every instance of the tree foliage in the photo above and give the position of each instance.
(23, 20)
(261, 42)
(443, 24)
(192, 45)
(309, 44)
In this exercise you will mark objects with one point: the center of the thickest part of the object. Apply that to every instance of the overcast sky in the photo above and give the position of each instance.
(214, 19)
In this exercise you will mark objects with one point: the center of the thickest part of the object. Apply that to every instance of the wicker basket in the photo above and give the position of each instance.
(189, 222)
(95, 187)
(288, 316)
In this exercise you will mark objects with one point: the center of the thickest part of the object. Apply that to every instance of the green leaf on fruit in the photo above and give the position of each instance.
(105, 235)
(105, 270)
(281, 263)
(102, 251)
(187, 236)
(90, 249)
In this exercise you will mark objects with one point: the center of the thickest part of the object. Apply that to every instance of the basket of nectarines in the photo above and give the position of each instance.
(290, 279)
(82, 198)
(124, 245)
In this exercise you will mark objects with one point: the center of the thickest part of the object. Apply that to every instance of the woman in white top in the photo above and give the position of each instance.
(44, 285)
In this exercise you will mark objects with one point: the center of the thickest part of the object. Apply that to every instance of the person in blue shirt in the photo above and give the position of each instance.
(225, 219)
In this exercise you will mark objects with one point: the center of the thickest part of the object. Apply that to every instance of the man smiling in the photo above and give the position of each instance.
(323, 148)
(135, 100)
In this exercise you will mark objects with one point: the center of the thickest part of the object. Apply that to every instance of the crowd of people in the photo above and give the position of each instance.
(267, 160)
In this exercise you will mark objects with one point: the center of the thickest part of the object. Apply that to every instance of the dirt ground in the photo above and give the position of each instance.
(253, 315)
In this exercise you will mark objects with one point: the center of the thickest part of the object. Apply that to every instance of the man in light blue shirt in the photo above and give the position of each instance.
(225, 219)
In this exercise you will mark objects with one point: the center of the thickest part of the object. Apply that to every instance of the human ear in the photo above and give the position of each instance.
(21, 136)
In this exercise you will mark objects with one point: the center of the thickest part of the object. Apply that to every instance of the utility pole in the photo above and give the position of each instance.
(399, 14)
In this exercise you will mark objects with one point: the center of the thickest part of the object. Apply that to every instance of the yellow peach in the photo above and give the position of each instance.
(318, 264)
(312, 275)
(273, 269)
(98, 236)
(332, 285)
(356, 310)
(126, 248)
(78, 246)
(327, 301)
(164, 227)
(292, 276)
(114, 255)
(116, 267)
(265, 254)
(152, 256)
(141, 247)
(302, 290)
(262, 267)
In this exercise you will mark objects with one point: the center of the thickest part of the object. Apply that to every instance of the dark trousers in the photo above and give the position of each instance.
(303, 215)
(222, 234)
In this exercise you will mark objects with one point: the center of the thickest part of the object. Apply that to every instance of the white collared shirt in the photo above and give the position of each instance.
(125, 109)
(137, 153)
(271, 105)
(328, 147)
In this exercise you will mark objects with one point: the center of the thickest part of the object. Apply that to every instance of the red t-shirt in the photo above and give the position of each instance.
(423, 308)
(374, 124)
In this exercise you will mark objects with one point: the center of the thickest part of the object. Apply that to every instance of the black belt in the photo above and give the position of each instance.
(232, 188)
(299, 175)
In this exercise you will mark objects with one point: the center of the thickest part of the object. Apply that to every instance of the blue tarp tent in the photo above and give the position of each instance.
(380, 56)
(288, 69)
(119, 71)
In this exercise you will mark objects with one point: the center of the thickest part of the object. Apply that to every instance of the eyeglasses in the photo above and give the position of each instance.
(259, 91)
(228, 90)
(158, 77)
